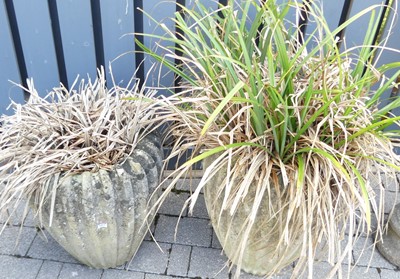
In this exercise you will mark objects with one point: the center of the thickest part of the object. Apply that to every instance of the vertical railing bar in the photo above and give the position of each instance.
(343, 18)
(139, 29)
(180, 35)
(97, 32)
(13, 23)
(382, 21)
(303, 21)
(381, 28)
(58, 45)
(222, 3)
(261, 27)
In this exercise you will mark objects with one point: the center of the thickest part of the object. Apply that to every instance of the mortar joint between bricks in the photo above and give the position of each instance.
(168, 260)
(190, 259)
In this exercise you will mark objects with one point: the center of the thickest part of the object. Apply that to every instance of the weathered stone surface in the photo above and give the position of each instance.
(99, 218)
(390, 244)
(260, 256)
(394, 222)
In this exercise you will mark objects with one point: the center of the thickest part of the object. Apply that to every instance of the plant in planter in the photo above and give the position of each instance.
(291, 134)
(88, 162)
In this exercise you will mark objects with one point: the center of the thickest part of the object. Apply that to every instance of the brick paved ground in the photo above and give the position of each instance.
(193, 253)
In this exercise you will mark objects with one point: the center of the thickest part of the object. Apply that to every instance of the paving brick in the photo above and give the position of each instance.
(191, 231)
(244, 275)
(10, 236)
(286, 273)
(362, 252)
(150, 263)
(391, 199)
(320, 270)
(322, 251)
(200, 209)
(208, 263)
(173, 204)
(362, 273)
(49, 250)
(158, 276)
(4, 217)
(391, 184)
(121, 267)
(149, 258)
(387, 181)
(389, 273)
(374, 224)
(121, 274)
(152, 228)
(77, 271)
(165, 183)
(49, 270)
(188, 185)
(179, 260)
(12, 267)
(215, 242)
(16, 216)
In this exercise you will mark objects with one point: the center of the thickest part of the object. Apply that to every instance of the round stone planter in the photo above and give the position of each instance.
(389, 247)
(100, 217)
(264, 237)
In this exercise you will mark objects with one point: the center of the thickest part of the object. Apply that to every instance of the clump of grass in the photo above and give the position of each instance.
(299, 119)
(70, 131)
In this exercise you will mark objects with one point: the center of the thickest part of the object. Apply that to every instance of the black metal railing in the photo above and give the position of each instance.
(138, 21)
(96, 14)
(16, 38)
(58, 43)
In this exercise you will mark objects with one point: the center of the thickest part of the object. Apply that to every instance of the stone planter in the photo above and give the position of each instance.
(264, 237)
(389, 247)
(100, 218)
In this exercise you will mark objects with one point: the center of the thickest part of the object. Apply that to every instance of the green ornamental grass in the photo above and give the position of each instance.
(267, 106)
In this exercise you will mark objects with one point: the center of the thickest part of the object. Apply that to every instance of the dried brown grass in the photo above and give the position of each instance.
(67, 132)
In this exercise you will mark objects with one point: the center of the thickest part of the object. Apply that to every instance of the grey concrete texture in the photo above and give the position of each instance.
(389, 247)
(189, 250)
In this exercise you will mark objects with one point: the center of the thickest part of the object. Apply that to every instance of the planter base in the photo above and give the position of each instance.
(261, 256)
(101, 218)
(389, 247)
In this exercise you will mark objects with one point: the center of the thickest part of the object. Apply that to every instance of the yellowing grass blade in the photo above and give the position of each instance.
(365, 196)
(221, 105)
(301, 170)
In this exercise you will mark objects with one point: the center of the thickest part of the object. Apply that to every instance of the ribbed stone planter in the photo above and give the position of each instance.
(389, 247)
(99, 218)
(263, 240)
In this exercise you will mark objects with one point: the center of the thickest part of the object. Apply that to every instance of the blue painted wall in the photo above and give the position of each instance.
(118, 26)
(8, 65)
